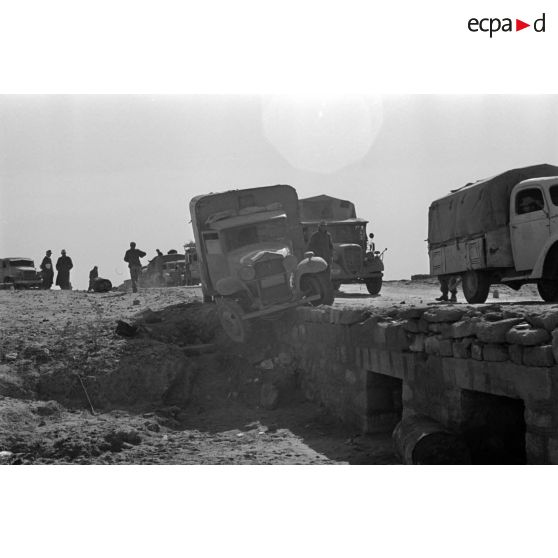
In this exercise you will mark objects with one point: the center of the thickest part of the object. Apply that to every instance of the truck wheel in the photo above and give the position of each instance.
(374, 285)
(476, 286)
(548, 290)
(317, 284)
(230, 315)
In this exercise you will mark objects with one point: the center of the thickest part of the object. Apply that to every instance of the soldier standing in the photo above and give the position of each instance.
(63, 266)
(321, 244)
(133, 256)
(47, 273)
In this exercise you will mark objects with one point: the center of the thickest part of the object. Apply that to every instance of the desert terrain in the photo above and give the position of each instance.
(173, 391)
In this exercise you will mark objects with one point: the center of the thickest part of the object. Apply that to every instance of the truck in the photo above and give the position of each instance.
(355, 259)
(167, 270)
(192, 270)
(19, 273)
(499, 230)
(251, 255)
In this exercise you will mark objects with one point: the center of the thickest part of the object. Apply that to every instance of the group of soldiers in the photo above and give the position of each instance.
(63, 266)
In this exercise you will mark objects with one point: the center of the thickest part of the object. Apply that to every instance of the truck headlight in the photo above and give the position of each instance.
(247, 273)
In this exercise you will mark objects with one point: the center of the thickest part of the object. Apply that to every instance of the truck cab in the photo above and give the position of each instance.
(19, 273)
(251, 256)
(534, 233)
(355, 259)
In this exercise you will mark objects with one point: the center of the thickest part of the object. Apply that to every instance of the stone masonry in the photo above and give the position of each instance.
(370, 367)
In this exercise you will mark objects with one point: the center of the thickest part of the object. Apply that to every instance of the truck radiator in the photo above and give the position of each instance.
(269, 267)
(352, 259)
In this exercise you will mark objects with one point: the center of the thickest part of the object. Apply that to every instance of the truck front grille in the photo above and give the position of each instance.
(29, 275)
(352, 257)
(269, 267)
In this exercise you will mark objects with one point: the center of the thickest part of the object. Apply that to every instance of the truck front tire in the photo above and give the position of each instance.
(230, 315)
(319, 283)
(374, 285)
(476, 286)
(548, 290)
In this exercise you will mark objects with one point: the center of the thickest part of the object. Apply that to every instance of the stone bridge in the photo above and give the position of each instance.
(487, 373)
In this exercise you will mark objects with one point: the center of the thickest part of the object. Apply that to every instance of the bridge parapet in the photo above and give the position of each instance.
(487, 369)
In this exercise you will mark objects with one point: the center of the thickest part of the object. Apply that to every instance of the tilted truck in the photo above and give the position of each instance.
(502, 229)
(251, 255)
(355, 259)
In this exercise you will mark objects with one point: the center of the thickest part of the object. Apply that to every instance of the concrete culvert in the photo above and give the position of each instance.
(419, 440)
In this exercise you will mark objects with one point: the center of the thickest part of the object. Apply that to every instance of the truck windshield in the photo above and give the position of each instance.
(21, 263)
(267, 231)
(349, 234)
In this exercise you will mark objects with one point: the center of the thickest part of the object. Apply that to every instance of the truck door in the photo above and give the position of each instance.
(553, 194)
(529, 225)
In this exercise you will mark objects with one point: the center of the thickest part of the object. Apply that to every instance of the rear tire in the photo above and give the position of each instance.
(548, 290)
(319, 283)
(374, 285)
(230, 315)
(476, 286)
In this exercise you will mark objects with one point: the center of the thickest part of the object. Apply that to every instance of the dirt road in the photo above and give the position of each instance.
(422, 292)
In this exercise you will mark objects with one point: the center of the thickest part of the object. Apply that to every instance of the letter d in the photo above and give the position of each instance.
(536, 24)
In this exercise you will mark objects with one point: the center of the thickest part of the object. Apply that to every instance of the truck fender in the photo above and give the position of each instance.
(229, 285)
(372, 264)
(539, 265)
(314, 264)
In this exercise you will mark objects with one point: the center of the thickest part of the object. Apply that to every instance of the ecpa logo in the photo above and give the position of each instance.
(493, 25)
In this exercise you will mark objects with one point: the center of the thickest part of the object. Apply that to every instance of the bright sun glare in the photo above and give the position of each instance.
(322, 134)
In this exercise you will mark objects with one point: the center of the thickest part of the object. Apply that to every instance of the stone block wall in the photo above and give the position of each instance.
(435, 358)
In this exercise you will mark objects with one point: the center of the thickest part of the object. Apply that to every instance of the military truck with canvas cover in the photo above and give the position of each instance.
(502, 229)
(251, 256)
(355, 259)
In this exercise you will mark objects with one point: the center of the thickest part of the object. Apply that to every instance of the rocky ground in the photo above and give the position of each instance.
(72, 390)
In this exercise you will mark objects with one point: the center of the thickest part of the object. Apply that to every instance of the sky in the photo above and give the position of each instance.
(90, 173)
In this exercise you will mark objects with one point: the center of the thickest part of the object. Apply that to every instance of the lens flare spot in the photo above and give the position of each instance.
(322, 134)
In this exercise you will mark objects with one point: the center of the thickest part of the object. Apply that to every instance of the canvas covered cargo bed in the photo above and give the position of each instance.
(480, 207)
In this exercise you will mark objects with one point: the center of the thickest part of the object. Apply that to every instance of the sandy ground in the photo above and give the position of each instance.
(73, 391)
(420, 293)
(57, 349)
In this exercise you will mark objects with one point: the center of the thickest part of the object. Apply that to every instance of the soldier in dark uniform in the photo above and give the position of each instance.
(63, 266)
(93, 274)
(47, 272)
(321, 244)
(132, 256)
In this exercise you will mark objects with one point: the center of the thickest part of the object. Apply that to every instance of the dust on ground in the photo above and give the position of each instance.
(73, 391)
(177, 392)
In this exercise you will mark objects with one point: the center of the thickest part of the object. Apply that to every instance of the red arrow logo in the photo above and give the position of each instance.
(519, 25)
